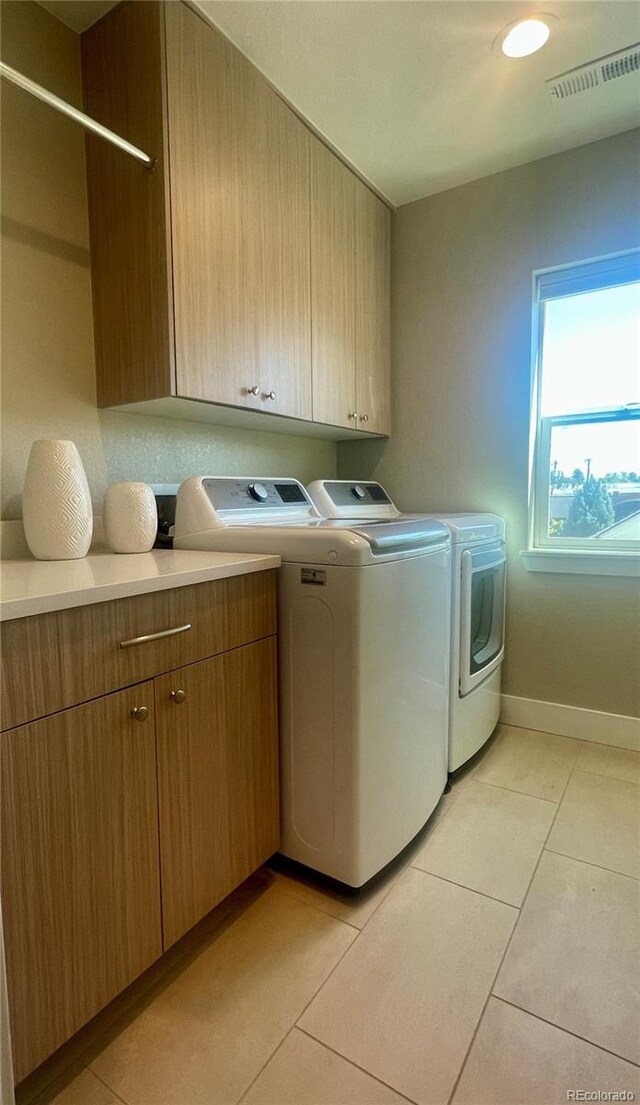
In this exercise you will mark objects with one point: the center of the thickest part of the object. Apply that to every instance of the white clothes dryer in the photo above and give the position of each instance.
(477, 606)
(364, 636)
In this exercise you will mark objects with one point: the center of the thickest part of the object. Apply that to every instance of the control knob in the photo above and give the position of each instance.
(358, 492)
(258, 492)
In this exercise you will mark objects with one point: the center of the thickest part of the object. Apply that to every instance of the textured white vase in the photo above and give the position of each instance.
(130, 517)
(56, 504)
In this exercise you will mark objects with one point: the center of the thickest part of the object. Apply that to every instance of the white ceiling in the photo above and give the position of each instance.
(413, 93)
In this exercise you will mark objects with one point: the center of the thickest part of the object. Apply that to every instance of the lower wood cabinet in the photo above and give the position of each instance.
(126, 819)
(80, 873)
(217, 777)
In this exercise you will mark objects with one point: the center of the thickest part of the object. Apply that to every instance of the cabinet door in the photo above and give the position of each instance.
(123, 77)
(80, 866)
(372, 280)
(240, 226)
(218, 778)
(333, 200)
(275, 225)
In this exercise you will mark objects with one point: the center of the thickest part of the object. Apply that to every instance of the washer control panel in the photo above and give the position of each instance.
(351, 499)
(239, 494)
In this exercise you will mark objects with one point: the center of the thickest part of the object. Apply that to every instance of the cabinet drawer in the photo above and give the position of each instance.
(56, 660)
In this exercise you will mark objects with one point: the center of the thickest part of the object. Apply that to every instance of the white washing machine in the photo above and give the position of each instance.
(364, 665)
(477, 606)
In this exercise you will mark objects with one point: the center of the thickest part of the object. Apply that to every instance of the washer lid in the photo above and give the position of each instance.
(472, 527)
(389, 536)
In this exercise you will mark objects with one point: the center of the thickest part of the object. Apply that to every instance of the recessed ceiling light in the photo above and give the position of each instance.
(524, 37)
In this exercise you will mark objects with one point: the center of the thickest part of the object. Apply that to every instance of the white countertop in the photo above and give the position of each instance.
(36, 586)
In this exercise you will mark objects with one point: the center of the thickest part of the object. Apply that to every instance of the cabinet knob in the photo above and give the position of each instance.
(178, 697)
(269, 395)
(353, 414)
(255, 390)
(364, 417)
(140, 713)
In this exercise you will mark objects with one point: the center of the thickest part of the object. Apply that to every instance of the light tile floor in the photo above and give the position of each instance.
(494, 965)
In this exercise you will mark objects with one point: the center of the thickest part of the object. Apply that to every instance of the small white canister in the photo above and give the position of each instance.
(56, 504)
(130, 517)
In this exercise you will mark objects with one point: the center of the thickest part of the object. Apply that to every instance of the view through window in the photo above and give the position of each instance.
(587, 427)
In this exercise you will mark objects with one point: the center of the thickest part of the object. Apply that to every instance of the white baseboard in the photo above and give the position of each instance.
(571, 721)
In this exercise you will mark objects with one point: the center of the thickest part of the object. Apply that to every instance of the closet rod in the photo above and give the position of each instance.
(73, 113)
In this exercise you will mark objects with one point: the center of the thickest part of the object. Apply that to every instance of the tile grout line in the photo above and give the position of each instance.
(512, 790)
(107, 1086)
(602, 775)
(508, 944)
(567, 1031)
(526, 793)
(302, 1013)
(265, 1064)
(296, 1025)
(320, 909)
(453, 803)
(463, 886)
(588, 863)
(345, 1059)
(393, 882)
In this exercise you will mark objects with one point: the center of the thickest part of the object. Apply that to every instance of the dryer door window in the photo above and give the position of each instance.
(482, 615)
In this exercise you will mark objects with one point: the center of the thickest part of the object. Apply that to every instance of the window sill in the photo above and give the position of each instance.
(578, 562)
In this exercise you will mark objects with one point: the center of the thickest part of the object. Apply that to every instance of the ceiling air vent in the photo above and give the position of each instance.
(595, 73)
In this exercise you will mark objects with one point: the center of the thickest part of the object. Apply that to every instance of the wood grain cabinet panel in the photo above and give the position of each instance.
(372, 312)
(123, 79)
(276, 222)
(230, 273)
(240, 203)
(333, 199)
(65, 657)
(80, 866)
(218, 779)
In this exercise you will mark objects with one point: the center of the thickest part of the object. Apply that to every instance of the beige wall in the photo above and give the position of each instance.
(462, 265)
(48, 385)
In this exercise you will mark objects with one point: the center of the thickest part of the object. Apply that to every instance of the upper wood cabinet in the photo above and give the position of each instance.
(372, 314)
(350, 238)
(129, 218)
(240, 217)
(333, 269)
(248, 244)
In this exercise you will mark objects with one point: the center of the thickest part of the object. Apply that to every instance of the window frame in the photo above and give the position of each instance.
(568, 280)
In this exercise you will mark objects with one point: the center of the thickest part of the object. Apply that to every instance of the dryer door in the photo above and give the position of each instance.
(482, 598)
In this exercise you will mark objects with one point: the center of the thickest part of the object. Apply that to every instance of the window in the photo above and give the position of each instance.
(586, 409)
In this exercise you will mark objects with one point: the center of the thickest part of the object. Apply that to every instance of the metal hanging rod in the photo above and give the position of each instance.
(73, 113)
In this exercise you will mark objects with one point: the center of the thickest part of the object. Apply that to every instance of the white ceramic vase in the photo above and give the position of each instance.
(130, 517)
(56, 504)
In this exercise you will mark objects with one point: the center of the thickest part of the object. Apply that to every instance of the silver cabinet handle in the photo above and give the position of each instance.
(178, 697)
(255, 390)
(354, 414)
(155, 636)
(140, 713)
(364, 417)
(269, 395)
